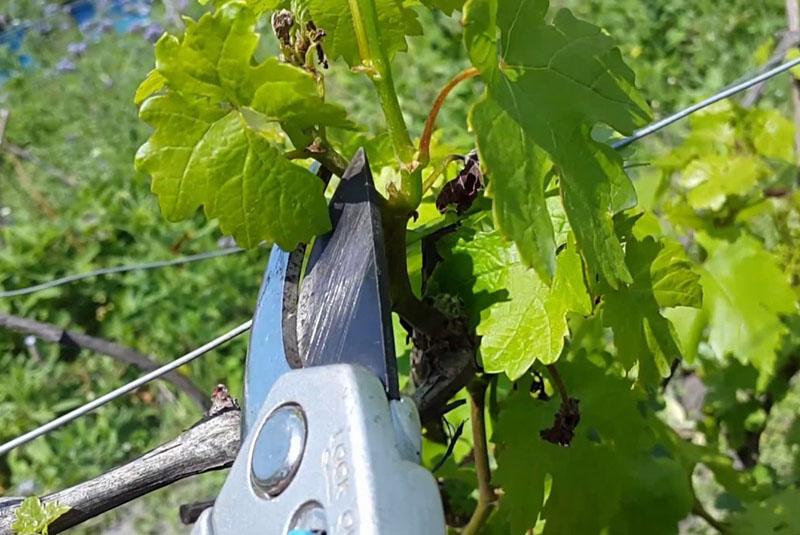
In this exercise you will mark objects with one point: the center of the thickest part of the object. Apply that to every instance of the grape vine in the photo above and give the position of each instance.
(579, 294)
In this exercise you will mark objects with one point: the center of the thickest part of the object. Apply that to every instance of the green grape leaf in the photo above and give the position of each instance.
(711, 129)
(713, 178)
(777, 514)
(532, 324)
(773, 135)
(236, 174)
(394, 20)
(617, 475)
(257, 6)
(214, 61)
(33, 517)
(289, 95)
(213, 57)
(557, 81)
(745, 294)
(446, 6)
(674, 281)
(521, 319)
(729, 382)
(377, 146)
(521, 171)
(662, 278)
(469, 274)
(153, 83)
(263, 6)
(742, 485)
(216, 141)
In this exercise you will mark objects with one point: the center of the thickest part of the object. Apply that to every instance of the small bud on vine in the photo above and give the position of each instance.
(301, 43)
(282, 23)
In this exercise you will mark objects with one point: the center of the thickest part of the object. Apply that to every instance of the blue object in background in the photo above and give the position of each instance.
(25, 61)
(13, 38)
(124, 15)
(83, 11)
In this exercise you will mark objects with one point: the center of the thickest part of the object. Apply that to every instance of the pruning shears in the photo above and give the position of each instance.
(329, 446)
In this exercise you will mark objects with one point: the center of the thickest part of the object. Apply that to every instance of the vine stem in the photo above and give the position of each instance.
(699, 510)
(375, 62)
(325, 155)
(401, 203)
(424, 154)
(420, 315)
(361, 33)
(486, 494)
(559, 383)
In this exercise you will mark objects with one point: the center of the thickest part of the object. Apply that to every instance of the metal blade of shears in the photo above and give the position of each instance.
(344, 313)
(339, 312)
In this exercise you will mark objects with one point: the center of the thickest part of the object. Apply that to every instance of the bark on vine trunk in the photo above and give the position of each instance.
(211, 444)
(53, 333)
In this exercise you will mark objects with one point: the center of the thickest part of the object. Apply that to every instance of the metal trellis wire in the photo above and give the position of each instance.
(119, 269)
(129, 387)
(722, 95)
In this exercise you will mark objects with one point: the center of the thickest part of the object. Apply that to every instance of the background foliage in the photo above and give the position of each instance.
(719, 193)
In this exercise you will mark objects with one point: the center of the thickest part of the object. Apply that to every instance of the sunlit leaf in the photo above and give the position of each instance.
(33, 517)
(216, 141)
(713, 179)
(556, 82)
(521, 319)
(662, 277)
(777, 514)
(520, 170)
(745, 296)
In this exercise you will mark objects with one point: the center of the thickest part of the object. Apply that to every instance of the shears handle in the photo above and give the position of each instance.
(329, 453)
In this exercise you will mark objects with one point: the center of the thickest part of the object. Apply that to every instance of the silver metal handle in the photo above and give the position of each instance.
(329, 454)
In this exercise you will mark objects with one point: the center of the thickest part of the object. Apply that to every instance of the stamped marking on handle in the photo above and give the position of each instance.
(335, 461)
